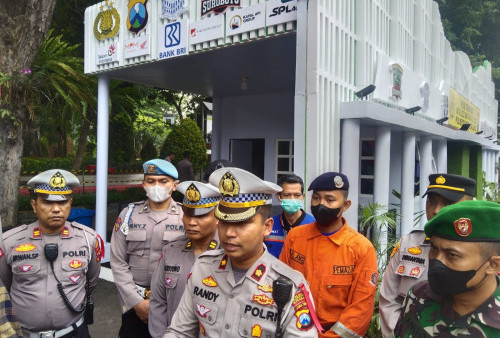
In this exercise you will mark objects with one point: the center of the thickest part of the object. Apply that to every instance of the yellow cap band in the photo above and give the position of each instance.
(242, 204)
(67, 192)
(445, 187)
(207, 205)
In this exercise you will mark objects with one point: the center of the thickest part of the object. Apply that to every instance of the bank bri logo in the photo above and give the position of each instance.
(172, 34)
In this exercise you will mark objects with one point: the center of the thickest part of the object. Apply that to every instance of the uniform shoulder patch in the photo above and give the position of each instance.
(284, 270)
(395, 250)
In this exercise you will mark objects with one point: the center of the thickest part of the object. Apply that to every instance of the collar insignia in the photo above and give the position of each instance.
(223, 263)
(259, 272)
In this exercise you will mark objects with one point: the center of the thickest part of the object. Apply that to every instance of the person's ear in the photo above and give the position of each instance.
(494, 267)
(278, 196)
(268, 226)
(33, 205)
(346, 206)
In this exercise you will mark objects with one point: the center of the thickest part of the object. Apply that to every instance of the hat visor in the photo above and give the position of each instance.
(196, 211)
(450, 195)
(227, 214)
(55, 197)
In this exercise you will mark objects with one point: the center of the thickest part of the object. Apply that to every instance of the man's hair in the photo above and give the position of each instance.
(265, 211)
(187, 153)
(170, 153)
(488, 249)
(291, 179)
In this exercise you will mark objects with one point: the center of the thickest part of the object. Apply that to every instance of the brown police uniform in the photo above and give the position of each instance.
(215, 305)
(138, 238)
(169, 281)
(25, 270)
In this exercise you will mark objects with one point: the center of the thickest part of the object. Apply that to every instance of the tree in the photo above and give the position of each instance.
(187, 136)
(24, 27)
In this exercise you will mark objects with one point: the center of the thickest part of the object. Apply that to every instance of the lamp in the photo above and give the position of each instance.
(465, 126)
(496, 141)
(412, 110)
(363, 93)
(489, 137)
(479, 132)
(441, 121)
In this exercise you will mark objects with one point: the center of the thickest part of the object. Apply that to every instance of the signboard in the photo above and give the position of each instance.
(217, 6)
(106, 54)
(245, 19)
(173, 39)
(206, 29)
(280, 11)
(462, 111)
(137, 46)
(172, 9)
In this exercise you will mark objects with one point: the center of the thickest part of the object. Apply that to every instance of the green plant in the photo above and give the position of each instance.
(148, 151)
(490, 189)
(187, 136)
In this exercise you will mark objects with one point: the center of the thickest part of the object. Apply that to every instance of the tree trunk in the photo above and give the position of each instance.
(24, 25)
(82, 145)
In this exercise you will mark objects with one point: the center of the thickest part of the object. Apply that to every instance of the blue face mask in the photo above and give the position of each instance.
(291, 206)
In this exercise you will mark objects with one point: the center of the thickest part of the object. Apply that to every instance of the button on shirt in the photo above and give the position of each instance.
(169, 281)
(33, 288)
(342, 271)
(214, 305)
(136, 247)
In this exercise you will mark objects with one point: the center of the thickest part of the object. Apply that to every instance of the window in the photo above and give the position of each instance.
(284, 157)
(367, 167)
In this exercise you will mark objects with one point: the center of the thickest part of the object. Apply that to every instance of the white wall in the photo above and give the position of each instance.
(267, 116)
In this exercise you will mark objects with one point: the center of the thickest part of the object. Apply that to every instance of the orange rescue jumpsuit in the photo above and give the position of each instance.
(342, 272)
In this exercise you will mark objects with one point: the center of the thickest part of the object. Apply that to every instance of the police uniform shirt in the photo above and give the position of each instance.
(136, 246)
(408, 265)
(214, 305)
(169, 281)
(33, 288)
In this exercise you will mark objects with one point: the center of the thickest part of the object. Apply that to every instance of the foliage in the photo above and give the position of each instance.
(490, 190)
(149, 151)
(187, 136)
(32, 164)
(374, 219)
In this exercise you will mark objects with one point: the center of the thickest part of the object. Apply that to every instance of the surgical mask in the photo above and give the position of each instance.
(325, 215)
(157, 193)
(291, 206)
(448, 282)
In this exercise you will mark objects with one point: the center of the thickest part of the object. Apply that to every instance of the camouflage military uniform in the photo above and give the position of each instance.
(426, 316)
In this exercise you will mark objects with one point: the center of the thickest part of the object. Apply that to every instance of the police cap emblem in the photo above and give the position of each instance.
(228, 186)
(339, 183)
(57, 181)
(193, 194)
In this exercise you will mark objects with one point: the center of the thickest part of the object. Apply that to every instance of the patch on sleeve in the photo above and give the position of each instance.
(118, 223)
(373, 279)
(1, 253)
(202, 329)
(99, 248)
(395, 250)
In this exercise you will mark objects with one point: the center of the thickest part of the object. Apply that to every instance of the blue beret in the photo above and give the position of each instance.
(330, 181)
(160, 167)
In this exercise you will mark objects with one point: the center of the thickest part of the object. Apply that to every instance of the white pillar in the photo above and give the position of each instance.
(488, 165)
(350, 166)
(381, 183)
(442, 156)
(102, 159)
(425, 170)
(407, 182)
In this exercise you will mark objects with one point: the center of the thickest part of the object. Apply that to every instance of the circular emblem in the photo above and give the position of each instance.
(463, 227)
(440, 180)
(228, 186)
(192, 194)
(235, 22)
(339, 183)
(137, 15)
(107, 22)
(57, 181)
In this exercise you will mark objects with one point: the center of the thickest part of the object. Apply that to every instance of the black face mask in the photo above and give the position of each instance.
(447, 282)
(325, 215)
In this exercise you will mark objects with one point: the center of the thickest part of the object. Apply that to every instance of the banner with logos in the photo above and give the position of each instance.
(206, 29)
(280, 11)
(173, 39)
(245, 19)
(137, 46)
(106, 54)
(461, 111)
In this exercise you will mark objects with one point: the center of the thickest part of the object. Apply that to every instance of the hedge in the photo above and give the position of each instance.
(36, 164)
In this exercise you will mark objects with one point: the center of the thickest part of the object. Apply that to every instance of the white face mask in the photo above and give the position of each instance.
(158, 194)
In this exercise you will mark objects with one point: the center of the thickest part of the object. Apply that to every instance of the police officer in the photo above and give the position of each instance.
(292, 200)
(462, 296)
(178, 256)
(339, 263)
(140, 232)
(9, 325)
(51, 266)
(230, 293)
(409, 261)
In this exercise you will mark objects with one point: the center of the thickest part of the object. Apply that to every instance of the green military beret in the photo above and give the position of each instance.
(472, 221)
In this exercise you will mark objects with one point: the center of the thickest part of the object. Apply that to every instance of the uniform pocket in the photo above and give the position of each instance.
(170, 282)
(206, 312)
(25, 268)
(251, 326)
(335, 293)
(136, 241)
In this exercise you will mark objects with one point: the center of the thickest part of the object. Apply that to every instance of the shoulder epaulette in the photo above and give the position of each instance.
(283, 269)
(83, 227)
(212, 253)
(179, 239)
(125, 225)
(14, 231)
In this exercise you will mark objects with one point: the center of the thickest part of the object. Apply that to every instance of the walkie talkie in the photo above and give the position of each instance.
(282, 290)
(51, 251)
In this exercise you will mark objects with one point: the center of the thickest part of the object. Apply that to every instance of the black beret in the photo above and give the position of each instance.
(330, 181)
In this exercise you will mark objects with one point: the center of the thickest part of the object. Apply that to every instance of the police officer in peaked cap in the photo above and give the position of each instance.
(51, 266)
